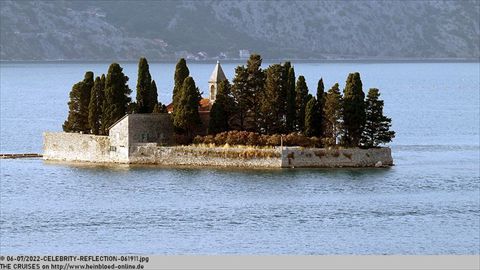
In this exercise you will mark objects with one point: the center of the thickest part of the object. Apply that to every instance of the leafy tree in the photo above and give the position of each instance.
(241, 97)
(186, 119)
(117, 97)
(290, 96)
(77, 120)
(353, 110)
(181, 73)
(222, 109)
(144, 87)
(95, 106)
(301, 99)
(377, 126)
(333, 115)
(312, 121)
(273, 101)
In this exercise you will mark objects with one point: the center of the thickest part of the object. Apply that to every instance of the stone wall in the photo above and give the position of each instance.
(199, 156)
(91, 148)
(326, 158)
(76, 147)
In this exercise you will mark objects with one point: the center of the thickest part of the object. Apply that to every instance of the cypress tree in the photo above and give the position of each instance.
(255, 84)
(320, 105)
(377, 126)
(153, 96)
(353, 110)
(181, 73)
(77, 120)
(187, 119)
(311, 118)
(290, 106)
(95, 106)
(333, 115)
(117, 97)
(144, 85)
(301, 99)
(273, 101)
(222, 109)
(241, 97)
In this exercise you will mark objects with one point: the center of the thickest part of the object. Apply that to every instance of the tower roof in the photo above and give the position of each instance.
(217, 74)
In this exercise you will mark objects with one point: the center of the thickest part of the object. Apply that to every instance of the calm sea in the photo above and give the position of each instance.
(429, 203)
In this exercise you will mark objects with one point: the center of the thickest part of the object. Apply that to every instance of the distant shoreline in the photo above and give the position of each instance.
(208, 61)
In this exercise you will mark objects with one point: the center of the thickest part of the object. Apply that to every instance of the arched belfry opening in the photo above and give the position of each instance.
(215, 79)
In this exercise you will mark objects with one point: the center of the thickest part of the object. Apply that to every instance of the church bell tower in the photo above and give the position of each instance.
(215, 79)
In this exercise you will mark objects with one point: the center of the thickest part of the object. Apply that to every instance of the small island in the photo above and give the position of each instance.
(265, 118)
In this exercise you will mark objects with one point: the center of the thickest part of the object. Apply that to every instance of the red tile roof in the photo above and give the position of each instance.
(203, 106)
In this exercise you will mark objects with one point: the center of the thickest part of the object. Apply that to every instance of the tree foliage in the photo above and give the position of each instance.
(312, 121)
(377, 126)
(95, 106)
(117, 97)
(181, 73)
(273, 101)
(222, 109)
(241, 97)
(333, 115)
(255, 85)
(290, 106)
(144, 88)
(301, 99)
(353, 110)
(77, 120)
(187, 119)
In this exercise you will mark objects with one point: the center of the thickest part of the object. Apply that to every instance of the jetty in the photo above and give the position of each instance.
(22, 155)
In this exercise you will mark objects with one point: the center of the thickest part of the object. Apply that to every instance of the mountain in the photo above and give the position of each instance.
(166, 30)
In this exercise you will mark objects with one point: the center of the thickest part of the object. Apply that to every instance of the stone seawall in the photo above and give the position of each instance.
(75, 147)
(328, 158)
(199, 156)
(90, 148)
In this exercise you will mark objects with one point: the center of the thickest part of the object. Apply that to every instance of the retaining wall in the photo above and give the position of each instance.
(325, 158)
(91, 148)
(76, 147)
(198, 156)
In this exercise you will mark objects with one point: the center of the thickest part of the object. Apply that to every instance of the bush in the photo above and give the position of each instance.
(255, 139)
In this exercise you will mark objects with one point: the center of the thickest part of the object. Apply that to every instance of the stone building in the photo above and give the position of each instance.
(217, 77)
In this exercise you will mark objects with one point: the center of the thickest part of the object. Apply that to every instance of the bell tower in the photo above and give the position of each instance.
(215, 79)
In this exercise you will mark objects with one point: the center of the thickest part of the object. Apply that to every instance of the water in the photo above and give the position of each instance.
(427, 204)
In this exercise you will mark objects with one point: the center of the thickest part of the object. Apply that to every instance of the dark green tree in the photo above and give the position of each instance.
(159, 108)
(255, 85)
(272, 105)
(301, 99)
(377, 126)
(312, 121)
(353, 110)
(153, 96)
(181, 73)
(222, 110)
(290, 106)
(333, 115)
(144, 88)
(320, 104)
(117, 97)
(95, 106)
(186, 119)
(77, 120)
(242, 97)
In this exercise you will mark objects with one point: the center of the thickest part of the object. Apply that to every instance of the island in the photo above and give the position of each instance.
(265, 118)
